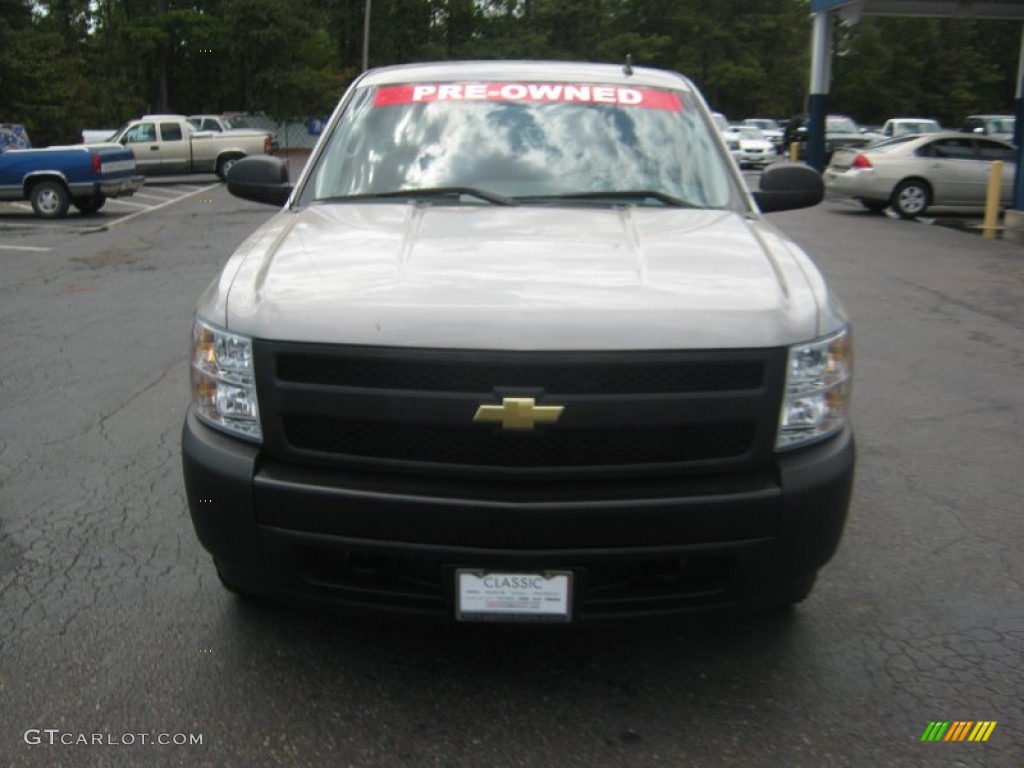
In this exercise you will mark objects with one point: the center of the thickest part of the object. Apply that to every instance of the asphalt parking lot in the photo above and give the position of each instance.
(155, 194)
(113, 624)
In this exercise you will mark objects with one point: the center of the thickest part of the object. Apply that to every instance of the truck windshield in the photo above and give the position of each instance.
(840, 125)
(528, 143)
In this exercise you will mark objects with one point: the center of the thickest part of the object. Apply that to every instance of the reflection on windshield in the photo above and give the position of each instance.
(524, 149)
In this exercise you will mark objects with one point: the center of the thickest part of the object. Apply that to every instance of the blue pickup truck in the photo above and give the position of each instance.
(55, 178)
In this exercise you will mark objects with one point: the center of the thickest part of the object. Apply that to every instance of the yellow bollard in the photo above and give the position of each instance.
(794, 152)
(995, 183)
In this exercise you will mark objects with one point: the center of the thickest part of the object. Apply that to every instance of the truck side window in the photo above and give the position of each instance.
(170, 131)
(141, 133)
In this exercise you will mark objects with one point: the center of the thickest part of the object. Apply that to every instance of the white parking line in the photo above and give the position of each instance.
(170, 193)
(104, 227)
(133, 205)
(33, 248)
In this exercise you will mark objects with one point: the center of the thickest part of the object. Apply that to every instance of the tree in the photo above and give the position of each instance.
(68, 64)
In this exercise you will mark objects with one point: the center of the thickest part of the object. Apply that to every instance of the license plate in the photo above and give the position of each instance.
(503, 596)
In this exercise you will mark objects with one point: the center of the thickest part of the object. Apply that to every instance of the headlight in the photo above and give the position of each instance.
(223, 383)
(817, 395)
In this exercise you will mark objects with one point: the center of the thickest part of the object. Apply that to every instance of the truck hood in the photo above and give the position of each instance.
(519, 278)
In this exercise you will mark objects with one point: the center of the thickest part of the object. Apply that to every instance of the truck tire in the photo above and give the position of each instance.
(911, 198)
(224, 165)
(50, 200)
(794, 595)
(89, 204)
(229, 581)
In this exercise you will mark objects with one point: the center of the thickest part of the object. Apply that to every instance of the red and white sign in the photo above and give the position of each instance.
(556, 93)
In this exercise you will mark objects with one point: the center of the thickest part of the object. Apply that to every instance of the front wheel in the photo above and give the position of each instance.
(90, 204)
(794, 593)
(50, 200)
(224, 165)
(911, 198)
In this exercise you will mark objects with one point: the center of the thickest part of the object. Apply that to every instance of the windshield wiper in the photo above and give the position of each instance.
(615, 195)
(427, 192)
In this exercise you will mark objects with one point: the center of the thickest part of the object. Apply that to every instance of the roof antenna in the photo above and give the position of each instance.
(628, 68)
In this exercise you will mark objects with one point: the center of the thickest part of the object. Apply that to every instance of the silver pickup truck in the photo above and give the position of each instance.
(520, 346)
(168, 144)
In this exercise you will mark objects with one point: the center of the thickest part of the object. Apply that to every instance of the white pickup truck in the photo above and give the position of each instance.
(520, 345)
(166, 144)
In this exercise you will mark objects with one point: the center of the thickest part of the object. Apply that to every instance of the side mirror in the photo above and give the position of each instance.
(786, 187)
(260, 178)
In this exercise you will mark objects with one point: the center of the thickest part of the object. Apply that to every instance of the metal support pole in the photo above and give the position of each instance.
(366, 37)
(1018, 131)
(821, 75)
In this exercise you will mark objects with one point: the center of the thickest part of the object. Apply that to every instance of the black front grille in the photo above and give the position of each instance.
(557, 375)
(651, 413)
(474, 445)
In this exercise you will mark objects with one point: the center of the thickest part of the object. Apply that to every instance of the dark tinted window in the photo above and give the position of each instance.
(952, 149)
(170, 131)
(991, 150)
(887, 145)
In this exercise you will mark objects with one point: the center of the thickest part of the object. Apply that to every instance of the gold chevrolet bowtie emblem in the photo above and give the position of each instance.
(518, 413)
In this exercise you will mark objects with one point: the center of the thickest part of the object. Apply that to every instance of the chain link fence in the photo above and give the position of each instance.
(290, 136)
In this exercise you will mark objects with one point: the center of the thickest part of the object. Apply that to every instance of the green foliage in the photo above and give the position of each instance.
(15, 23)
(69, 64)
(940, 68)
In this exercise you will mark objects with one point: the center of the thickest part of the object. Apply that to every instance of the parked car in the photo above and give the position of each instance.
(913, 173)
(771, 129)
(908, 126)
(219, 123)
(226, 123)
(994, 126)
(165, 144)
(728, 133)
(521, 345)
(55, 178)
(840, 131)
(754, 150)
(13, 136)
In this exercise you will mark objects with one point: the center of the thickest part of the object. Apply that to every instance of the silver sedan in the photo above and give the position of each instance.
(754, 149)
(912, 173)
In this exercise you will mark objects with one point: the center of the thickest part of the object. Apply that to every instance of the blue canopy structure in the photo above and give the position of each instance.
(824, 13)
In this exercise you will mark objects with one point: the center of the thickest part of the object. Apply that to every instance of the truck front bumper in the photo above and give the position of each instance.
(393, 544)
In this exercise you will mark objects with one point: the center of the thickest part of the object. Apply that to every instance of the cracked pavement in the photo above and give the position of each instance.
(112, 620)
